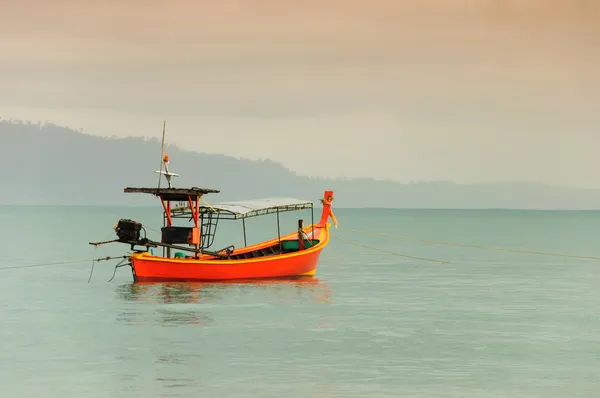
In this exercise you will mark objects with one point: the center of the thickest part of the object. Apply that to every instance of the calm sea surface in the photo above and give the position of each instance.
(488, 324)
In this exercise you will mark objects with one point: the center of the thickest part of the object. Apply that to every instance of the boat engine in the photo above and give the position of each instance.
(128, 230)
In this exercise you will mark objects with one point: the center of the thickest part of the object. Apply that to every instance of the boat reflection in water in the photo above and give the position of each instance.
(276, 291)
(308, 290)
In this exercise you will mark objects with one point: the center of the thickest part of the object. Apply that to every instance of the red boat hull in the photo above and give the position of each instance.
(147, 267)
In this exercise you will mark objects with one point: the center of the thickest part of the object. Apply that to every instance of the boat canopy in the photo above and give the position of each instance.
(237, 210)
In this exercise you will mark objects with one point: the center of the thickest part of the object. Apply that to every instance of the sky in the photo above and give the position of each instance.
(462, 90)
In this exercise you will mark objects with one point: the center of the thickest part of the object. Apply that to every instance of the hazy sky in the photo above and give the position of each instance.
(470, 91)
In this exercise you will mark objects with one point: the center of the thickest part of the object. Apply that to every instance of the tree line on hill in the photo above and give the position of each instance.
(46, 164)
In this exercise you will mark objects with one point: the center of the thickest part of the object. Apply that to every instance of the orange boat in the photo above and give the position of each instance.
(295, 254)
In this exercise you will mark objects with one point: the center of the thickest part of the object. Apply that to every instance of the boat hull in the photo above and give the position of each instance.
(302, 263)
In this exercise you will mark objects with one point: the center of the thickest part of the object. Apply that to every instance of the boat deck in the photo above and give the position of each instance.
(287, 246)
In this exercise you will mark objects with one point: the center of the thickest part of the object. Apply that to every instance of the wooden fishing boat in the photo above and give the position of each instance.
(186, 251)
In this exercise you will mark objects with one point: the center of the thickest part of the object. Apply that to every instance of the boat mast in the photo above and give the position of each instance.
(164, 160)
(162, 152)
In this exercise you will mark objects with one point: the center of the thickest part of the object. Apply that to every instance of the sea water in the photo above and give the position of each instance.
(372, 324)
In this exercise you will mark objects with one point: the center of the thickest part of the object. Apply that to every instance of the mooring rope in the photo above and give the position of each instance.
(208, 204)
(62, 262)
(46, 264)
(391, 252)
(471, 246)
(119, 265)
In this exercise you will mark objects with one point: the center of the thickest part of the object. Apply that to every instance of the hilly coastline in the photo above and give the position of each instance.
(45, 164)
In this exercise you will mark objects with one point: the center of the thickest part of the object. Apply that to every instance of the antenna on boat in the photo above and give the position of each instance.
(166, 173)
(162, 151)
(164, 159)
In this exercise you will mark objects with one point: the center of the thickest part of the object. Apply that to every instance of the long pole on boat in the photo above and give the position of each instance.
(198, 222)
(244, 227)
(312, 220)
(300, 234)
(278, 230)
(162, 152)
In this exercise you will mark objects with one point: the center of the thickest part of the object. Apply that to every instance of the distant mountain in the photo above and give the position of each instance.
(49, 164)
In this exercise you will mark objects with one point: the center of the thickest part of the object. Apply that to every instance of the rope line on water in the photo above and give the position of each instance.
(471, 246)
(62, 263)
(393, 253)
(45, 264)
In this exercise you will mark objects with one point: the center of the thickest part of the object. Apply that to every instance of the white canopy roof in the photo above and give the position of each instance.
(251, 208)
